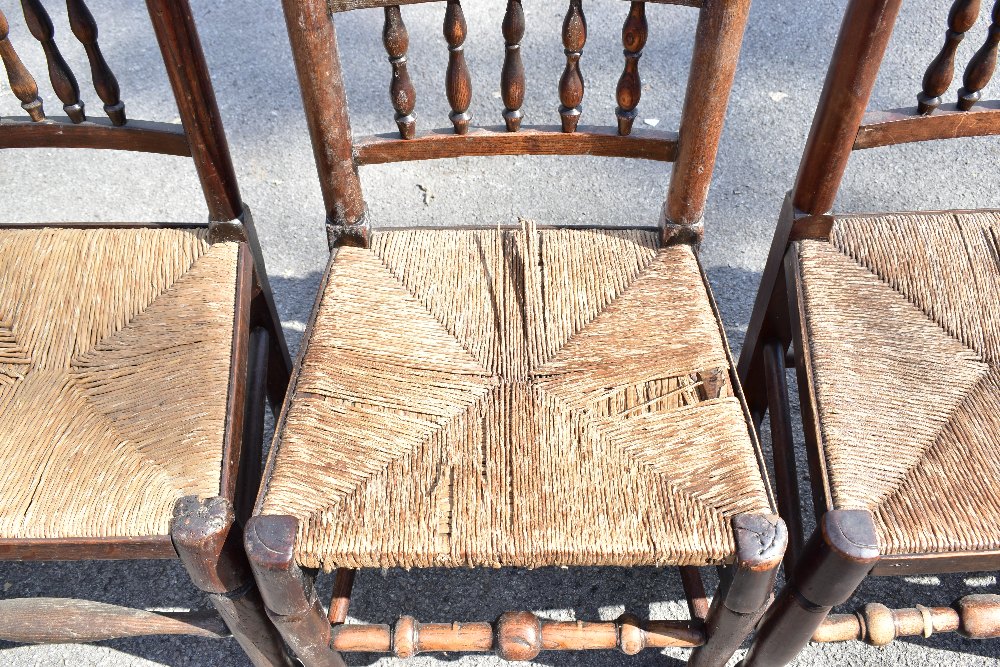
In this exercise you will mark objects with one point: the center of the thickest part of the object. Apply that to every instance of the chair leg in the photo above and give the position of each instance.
(288, 593)
(251, 456)
(209, 543)
(837, 558)
(743, 596)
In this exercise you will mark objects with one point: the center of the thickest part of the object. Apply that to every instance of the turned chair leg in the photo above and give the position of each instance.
(744, 594)
(837, 558)
(289, 596)
(209, 543)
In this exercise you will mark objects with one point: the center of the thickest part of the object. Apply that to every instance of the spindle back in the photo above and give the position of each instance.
(199, 136)
(843, 124)
(339, 154)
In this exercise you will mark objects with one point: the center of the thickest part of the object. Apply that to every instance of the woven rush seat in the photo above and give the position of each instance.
(902, 318)
(115, 349)
(514, 397)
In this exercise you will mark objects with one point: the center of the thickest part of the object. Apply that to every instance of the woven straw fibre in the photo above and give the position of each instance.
(114, 360)
(902, 318)
(514, 398)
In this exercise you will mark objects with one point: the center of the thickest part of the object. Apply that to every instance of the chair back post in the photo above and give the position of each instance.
(857, 56)
(184, 59)
(317, 61)
(713, 65)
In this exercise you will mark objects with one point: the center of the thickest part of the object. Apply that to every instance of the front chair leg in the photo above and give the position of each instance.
(288, 593)
(210, 545)
(837, 558)
(742, 597)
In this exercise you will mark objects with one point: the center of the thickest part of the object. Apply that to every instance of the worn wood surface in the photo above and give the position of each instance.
(88, 548)
(62, 620)
(901, 126)
(98, 133)
(23, 85)
(529, 140)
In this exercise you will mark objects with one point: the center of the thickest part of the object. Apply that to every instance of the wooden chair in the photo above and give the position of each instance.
(892, 320)
(134, 360)
(525, 396)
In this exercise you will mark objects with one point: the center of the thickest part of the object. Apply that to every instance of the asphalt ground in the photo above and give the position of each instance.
(785, 53)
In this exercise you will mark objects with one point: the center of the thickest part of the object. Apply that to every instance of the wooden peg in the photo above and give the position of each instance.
(401, 91)
(21, 81)
(512, 80)
(574, 35)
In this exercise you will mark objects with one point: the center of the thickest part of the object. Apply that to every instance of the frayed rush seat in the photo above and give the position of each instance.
(514, 398)
(901, 318)
(115, 348)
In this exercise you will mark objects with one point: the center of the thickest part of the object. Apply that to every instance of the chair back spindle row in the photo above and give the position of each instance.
(60, 75)
(339, 154)
(84, 27)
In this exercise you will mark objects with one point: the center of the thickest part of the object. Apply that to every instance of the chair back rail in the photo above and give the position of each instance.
(843, 123)
(339, 154)
(199, 136)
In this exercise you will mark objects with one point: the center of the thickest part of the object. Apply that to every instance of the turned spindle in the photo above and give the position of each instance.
(516, 636)
(973, 616)
(458, 81)
(574, 35)
(981, 65)
(940, 72)
(82, 22)
(634, 34)
(512, 75)
(63, 82)
(401, 92)
(21, 81)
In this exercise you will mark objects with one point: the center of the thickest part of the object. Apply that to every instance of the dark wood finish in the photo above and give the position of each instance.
(694, 593)
(288, 593)
(515, 636)
(31, 621)
(837, 558)
(530, 140)
(401, 92)
(348, 5)
(864, 34)
(947, 563)
(60, 75)
(87, 548)
(21, 82)
(181, 49)
(940, 72)
(634, 34)
(232, 447)
(901, 126)
(745, 589)
(84, 26)
(713, 66)
(317, 62)
(783, 448)
(458, 80)
(981, 66)
(340, 601)
(973, 616)
(512, 79)
(96, 133)
(574, 37)
(251, 462)
(210, 545)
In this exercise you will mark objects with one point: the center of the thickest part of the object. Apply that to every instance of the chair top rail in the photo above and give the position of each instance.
(96, 133)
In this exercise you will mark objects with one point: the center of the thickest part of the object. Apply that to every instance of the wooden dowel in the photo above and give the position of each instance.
(340, 602)
(516, 636)
(60, 75)
(21, 81)
(694, 591)
(973, 616)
